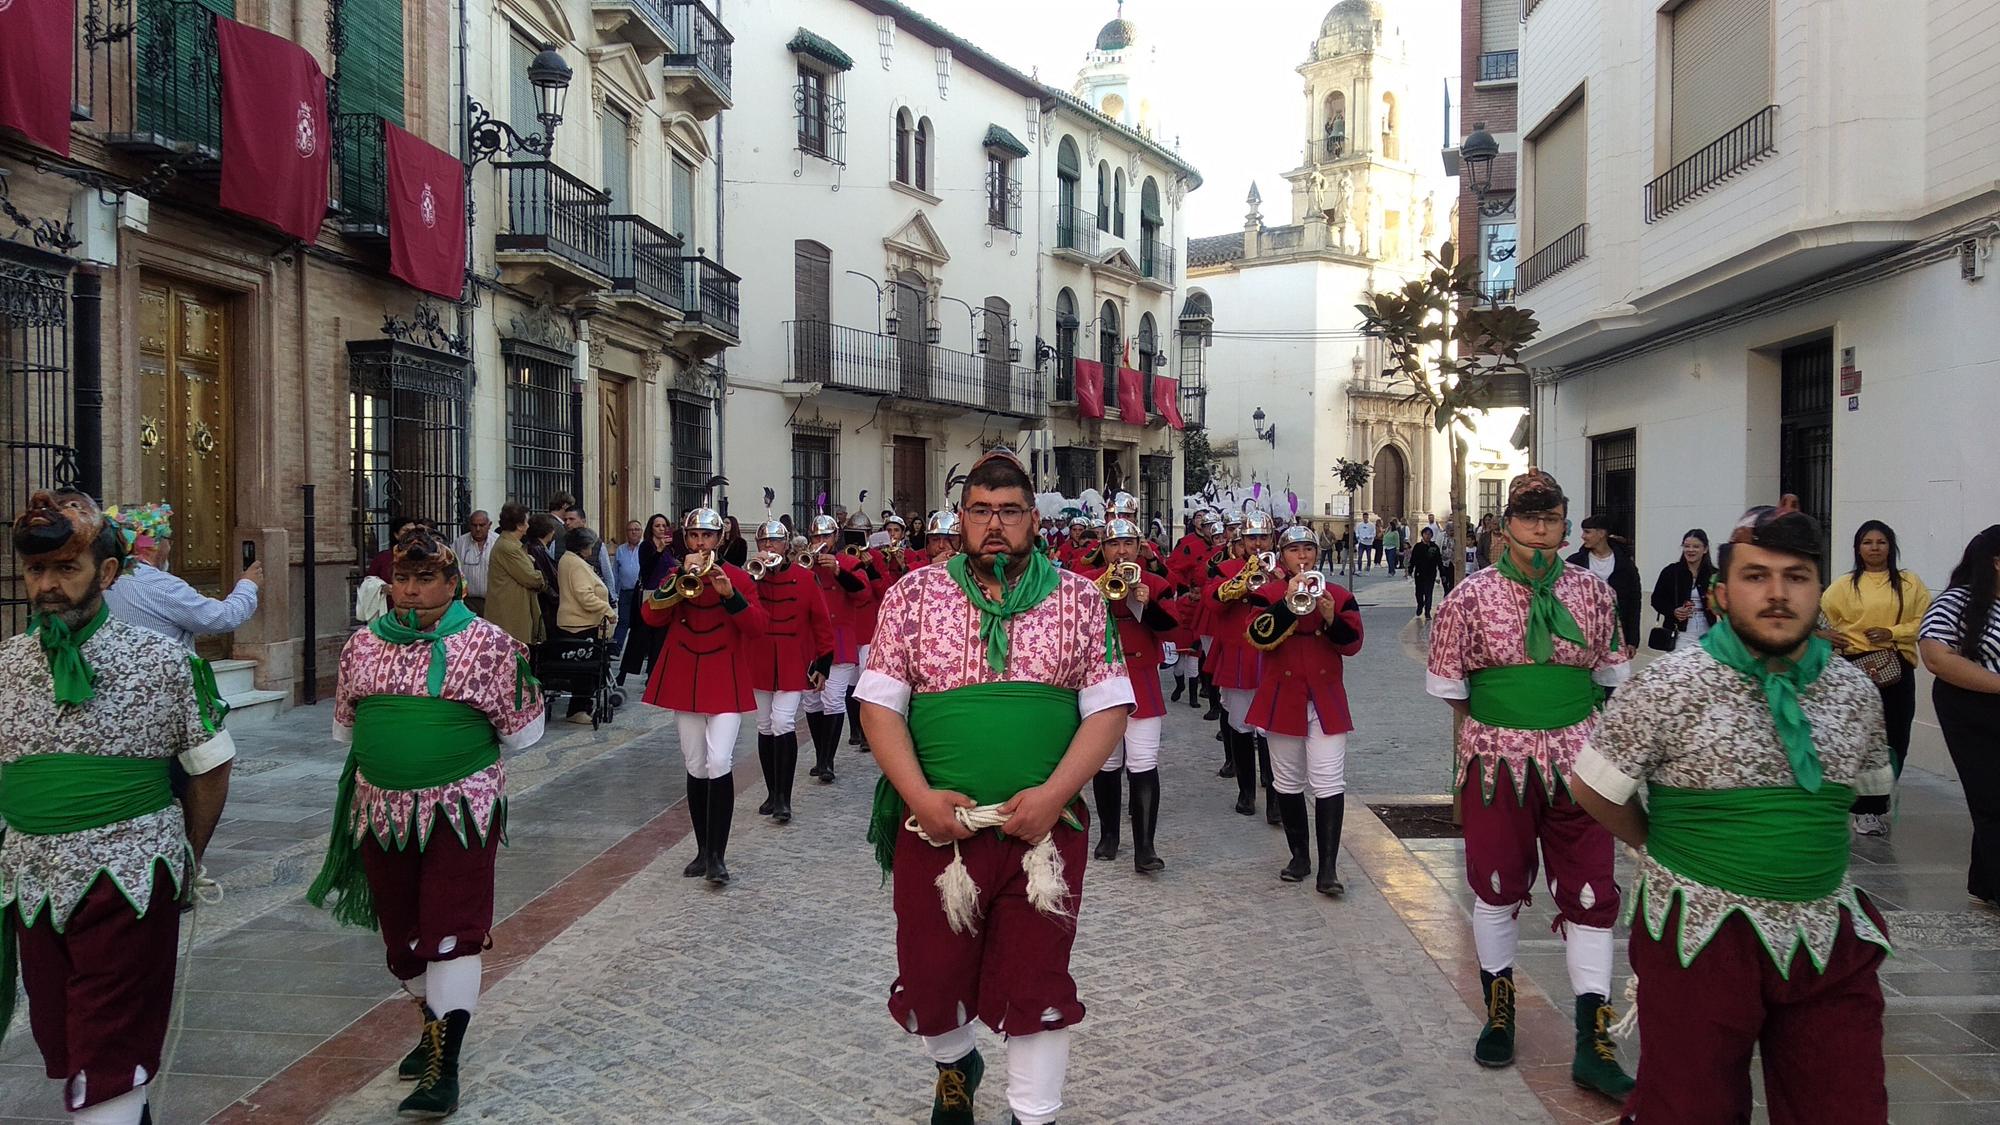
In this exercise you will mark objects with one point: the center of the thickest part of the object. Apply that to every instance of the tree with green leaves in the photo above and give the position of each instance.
(1198, 462)
(1353, 478)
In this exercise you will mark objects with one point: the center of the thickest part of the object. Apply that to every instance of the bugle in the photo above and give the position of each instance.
(693, 577)
(1117, 581)
(1306, 594)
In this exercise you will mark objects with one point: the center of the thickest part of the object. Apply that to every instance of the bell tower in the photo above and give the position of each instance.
(1357, 182)
(1116, 77)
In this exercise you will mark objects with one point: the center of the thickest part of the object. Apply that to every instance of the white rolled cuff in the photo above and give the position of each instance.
(1106, 694)
(342, 733)
(215, 752)
(1444, 688)
(1612, 675)
(883, 690)
(527, 736)
(1607, 780)
(1878, 782)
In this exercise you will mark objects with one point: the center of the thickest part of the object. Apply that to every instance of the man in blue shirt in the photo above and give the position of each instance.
(625, 581)
(151, 598)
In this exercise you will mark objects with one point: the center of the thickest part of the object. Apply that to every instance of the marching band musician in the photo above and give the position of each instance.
(941, 537)
(1141, 616)
(1187, 570)
(1072, 551)
(900, 556)
(1301, 704)
(790, 659)
(1236, 666)
(847, 593)
(709, 612)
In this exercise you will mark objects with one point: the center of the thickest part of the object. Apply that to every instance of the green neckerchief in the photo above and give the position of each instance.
(76, 681)
(207, 695)
(401, 629)
(1037, 582)
(1533, 696)
(1548, 618)
(1781, 692)
(953, 733)
(1780, 843)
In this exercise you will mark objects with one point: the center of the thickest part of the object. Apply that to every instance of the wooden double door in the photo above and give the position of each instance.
(186, 446)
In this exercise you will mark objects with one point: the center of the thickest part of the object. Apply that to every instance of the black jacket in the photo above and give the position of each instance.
(1673, 588)
(1624, 583)
(1426, 560)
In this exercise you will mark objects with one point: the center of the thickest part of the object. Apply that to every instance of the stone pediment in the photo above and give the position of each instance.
(545, 19)
(918, 239)
(1118, 262)
(620, 66)
(687, 136)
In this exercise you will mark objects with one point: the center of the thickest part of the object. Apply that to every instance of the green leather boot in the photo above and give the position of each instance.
(436, 1094)
(956, 1084)
(1596, 1064)
(1496, 1040)
(412, 1066)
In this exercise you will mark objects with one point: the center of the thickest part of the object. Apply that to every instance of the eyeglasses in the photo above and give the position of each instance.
(1009, 515)
(1539, 519)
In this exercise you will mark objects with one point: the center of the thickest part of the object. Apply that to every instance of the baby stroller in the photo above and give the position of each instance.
(580, 664)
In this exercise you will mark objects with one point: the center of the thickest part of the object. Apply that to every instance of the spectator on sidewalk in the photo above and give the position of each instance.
(514, 583)
(735, 550)
(657, 562)
(1602, 556)
(1426, 563)
(382, 565)
(151, 598)
(625, 571)
(540, 543)
(1960, 643)
(1875, 611)
(1392, 545)
(572, 518)
(475, 558)
(1680, 594)
(1482, 544)
(1364, 541)
(583, 610)
(560, 506)
(1453, 558)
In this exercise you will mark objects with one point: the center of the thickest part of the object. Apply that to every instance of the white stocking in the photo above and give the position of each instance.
(1496, 932)
(1589, 952)
(125, 1109)
(453, 985)
(1036, 1067)
(951, 1046)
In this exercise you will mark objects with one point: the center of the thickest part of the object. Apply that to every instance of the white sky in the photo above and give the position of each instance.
(1232, 98)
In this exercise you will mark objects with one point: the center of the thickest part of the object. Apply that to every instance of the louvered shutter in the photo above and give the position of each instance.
(371, 59)
(1561, 160)
(185, 103)
(1499, 25)
(617, 160)
(522, 103)
(1721, 70)
(683, 185)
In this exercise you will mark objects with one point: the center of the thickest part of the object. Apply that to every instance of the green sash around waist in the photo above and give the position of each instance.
(1533, 696)
(987, 741)
(401, 742)
(1779, 842)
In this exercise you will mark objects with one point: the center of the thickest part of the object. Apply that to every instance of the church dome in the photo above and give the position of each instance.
(1361, 15)
(1117, 35)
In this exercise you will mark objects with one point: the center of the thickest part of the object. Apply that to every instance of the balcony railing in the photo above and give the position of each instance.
(708, 294)
(1552, 259)
(701, 43)
(171, 100)
(1334, 145)
(551, 211)
(1076, 229)
(645, 261)
(1497, 292)
(1194, 403)
(1729, 154)
(1003, 202)
(870, 363)
(359, 149)
(1156, 260)
(1496, 66)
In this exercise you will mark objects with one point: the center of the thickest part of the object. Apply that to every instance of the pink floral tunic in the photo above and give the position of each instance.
(1483, 623)
(480, 672)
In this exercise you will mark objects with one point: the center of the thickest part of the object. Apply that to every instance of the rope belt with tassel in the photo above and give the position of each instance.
(959, 895)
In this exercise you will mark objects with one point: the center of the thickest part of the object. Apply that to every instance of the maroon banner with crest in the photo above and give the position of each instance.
(276, 147)
(1131, 396)
(1167, 400)
(37, 46)
(1090, 388)
(426, 215)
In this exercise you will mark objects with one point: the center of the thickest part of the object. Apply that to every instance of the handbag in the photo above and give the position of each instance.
(1882, 666)
(1660, 638)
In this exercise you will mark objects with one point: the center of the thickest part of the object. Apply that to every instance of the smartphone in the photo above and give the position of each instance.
(249, 553)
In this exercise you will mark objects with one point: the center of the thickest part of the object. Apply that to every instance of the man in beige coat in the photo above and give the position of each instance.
(512, 582)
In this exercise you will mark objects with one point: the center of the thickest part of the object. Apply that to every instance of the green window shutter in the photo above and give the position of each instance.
(180, 84)
(371, 60)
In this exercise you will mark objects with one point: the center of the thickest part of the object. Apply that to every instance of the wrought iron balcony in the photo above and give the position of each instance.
(360, 153)
(1552, 259)
(708, 295)
(1727, 155)
(167, 87)
(1076, 231)
(1003, 202)
(1497, 292)
(869, 363)
(646, 262)
(1194, 403)
(698, 64)
(555, 216)
(646, 24)
(1156, 260)
(1497, 66)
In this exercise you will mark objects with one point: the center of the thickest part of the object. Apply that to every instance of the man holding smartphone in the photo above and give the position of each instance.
(151, 598)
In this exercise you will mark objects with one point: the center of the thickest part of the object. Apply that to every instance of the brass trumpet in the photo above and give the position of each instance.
(693, 578)
(763, 563)
(1116, 583)
(805, 558)
(1306, 594)
(852, 551)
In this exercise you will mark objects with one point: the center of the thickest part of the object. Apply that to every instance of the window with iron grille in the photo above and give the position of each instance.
(812, 111)
(1614, 481)
(1066, 326)
(1109, 346)
(1076, 470)
(544, 423)
(35, 396)
(815, 473)
(1489, 498)
(694, 456)
(1148, 346)
(406, 453)
(1805, 430)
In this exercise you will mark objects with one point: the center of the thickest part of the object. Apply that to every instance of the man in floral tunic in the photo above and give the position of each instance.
(1748, 933)
(92, 712)
(429, 697)
(985, 837)
(1522, 651)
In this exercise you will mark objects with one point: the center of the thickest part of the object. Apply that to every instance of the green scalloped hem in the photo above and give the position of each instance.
(1552, 781)
(177, 874)
(1850, 903)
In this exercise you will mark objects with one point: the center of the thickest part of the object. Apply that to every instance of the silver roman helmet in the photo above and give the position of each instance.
(1297, 533)
(1124, 504)
(943, 522)
(773, 529)
(702, 519)
(1120, 528)
(824, 524)
(1258, 523)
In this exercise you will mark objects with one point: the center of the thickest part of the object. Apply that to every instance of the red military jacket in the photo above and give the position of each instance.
(1232, 663)
(844, 605)
(1302, 661)
(1187, 567)
(1140, 635)
(1070, 554)
(704, 664)
(800, 632)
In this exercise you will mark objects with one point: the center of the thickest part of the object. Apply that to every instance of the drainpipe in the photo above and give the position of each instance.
(86, 305)
(721, 259)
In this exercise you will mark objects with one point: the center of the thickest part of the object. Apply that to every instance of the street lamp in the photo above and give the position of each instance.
(1268, 434)
(1476, 155)
(487, 137)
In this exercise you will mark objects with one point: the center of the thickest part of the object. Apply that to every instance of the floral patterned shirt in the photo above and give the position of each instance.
(1690, 722)
(927, 640)
(1483, 623)
(144, 707)
(480, 672)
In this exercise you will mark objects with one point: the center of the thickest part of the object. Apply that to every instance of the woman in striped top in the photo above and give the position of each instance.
(1960, 644)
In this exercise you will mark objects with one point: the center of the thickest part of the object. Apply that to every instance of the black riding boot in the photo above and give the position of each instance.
(816, 727)
(721, 810)
(1264, 770)
(855, 735)
(1328, 812)
(436, 1094)
(1215, 708)
(1180, 686)
(1145, 818)
(1298, 837)
(833, 723)
(785, 750)
(1109, 793)
(698, 815)
(767, 757)
(1243, 747)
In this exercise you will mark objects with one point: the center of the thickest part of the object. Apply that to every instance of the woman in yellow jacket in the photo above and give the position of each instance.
(1875, 609)
(513, 585)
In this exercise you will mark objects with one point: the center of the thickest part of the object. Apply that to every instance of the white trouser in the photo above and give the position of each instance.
(1139, 751)
(831, 699)
(708, 742)
(1589, 950)
(1036, 1067)
(778, 711)
(127, 1108)
(1236, 704)
(1313, 761)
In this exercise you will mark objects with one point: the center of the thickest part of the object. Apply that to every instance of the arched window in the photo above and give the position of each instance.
(1389, 127)
(1103, 195)
(1109, 346)
(1333, 126)
(1118, 203)
(1152, 262)
(1069, 184)
(903, 132)
(1147, 347)
(1066, 326)
(1196, 330)
(920, 161)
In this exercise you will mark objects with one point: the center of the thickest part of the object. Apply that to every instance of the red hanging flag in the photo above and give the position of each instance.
(276, 148)
(1089, 388)
(1167, 400)
(1131, 396)
(37, 49)
(426, 194)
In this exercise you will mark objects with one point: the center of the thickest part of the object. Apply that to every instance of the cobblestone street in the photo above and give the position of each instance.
(620, 992)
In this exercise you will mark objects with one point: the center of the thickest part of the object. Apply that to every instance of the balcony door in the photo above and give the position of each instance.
(614, 457)
(913, 355)
(185, 436)
(998, 371)
(910, 475)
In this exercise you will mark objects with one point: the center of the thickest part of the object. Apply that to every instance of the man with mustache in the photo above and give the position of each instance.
(1748, 933)
(96, 855)
(995, 692)
(1522, 651)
